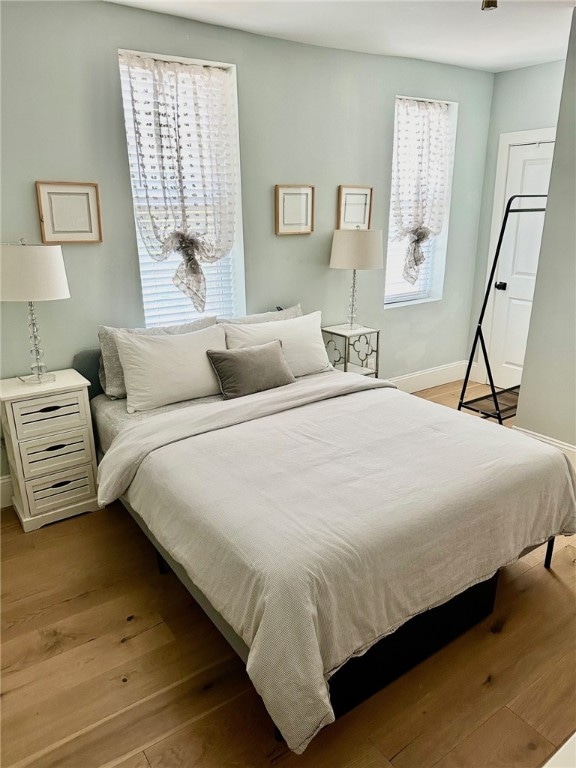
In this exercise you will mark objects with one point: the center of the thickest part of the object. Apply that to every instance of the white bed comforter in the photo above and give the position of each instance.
(320, 516)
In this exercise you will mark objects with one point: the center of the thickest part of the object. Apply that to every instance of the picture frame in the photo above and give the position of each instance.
(69, 212)
(354, 209)
(294, 209)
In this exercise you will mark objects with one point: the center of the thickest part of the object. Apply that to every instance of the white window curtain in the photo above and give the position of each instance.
(184, 167)
(420, 177)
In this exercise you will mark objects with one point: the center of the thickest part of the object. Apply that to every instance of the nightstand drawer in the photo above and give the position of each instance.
(54, 413)
(50, 454)
(61, 489)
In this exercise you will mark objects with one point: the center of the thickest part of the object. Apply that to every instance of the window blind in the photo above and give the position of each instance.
(181, 133)
(164, 304)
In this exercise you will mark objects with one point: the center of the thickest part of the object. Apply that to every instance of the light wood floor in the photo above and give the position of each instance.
(107, 663)
(449, 394)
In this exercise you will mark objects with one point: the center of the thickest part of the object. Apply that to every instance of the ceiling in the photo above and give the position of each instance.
(519, 33)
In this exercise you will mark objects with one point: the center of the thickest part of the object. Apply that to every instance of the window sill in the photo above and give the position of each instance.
(411, 302)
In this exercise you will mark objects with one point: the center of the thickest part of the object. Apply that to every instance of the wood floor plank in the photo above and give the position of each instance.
(37, 613)
(8, 519)
(67, 536)
(549, 704)
(240, 733)
(136, 761)
(452, 392)
(473, 390)
(338, 745)
(502, 741)
(515, 569)
(69, 712)
(12, 543)
(147, 721)
(536, 556)
(32, 603)
(33, 685)
(79, 565)
(10, 527)
(563, 541)
(84, 626)
(550, 589)
(452, 387)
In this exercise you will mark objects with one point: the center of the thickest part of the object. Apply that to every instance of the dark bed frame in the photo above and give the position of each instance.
(391, 656)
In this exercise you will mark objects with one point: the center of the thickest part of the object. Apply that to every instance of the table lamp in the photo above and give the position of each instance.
(33, 273)
(356, 249)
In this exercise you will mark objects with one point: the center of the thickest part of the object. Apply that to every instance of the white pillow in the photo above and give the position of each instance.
(159, 370)
(110, 373)
(266, 317)
(301, 339)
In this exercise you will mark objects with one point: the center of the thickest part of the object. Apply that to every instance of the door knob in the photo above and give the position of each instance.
(501, 286)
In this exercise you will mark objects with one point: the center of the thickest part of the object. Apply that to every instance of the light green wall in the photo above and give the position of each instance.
(548, 395)
(307, 115)
(523, 99)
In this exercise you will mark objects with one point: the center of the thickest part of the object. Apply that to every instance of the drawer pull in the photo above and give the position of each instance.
(48, 408)
(61, 484)
(56, 447)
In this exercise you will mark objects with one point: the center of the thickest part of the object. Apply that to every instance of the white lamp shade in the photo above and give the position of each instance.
(32, 273)
(357, 249)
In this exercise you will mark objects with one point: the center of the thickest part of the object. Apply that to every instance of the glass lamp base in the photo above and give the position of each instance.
(43, 378)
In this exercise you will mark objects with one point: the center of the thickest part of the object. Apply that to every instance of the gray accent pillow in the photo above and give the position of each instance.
(250, 369)
(266, 317)
(111, 374)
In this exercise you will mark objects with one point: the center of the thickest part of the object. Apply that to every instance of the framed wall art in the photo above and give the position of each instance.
(354, 207)
(294, 209)
(69, 212)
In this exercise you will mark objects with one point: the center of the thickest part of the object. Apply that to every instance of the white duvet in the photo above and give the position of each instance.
(320, 516)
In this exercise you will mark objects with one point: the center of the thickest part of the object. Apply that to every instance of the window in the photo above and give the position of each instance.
(181, 119)
(424, 137)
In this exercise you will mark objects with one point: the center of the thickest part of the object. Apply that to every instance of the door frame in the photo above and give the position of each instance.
(507, 140)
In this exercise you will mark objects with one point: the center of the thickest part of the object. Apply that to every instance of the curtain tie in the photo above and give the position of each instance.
(414, 254)
(189, 277)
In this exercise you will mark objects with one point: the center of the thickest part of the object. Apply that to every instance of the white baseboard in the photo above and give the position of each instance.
(567, 448)
(434, 377)
(566, 755)
(5, 491)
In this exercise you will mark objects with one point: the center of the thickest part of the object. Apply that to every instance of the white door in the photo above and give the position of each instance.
(529, 168)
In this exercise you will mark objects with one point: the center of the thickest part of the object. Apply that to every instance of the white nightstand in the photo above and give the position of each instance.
(353, 350)
(50, 446)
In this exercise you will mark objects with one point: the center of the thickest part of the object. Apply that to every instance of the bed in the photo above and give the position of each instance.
(321, 521)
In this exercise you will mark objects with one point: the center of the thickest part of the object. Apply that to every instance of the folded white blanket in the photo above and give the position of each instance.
(318, 529)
